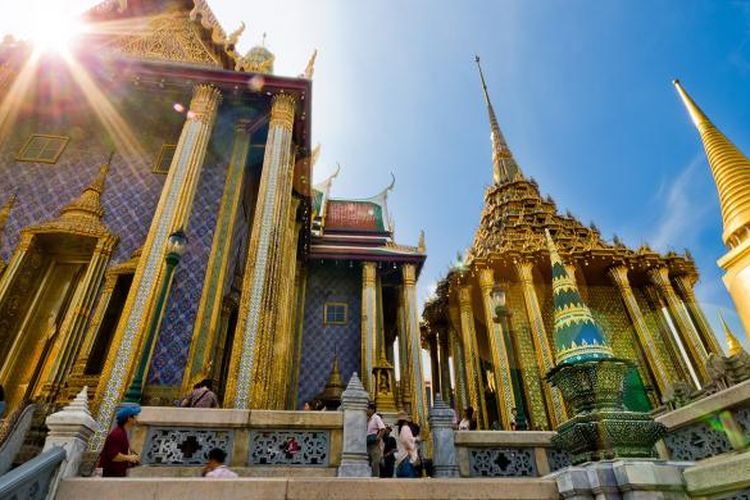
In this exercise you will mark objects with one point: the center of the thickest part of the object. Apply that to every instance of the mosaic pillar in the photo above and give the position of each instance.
(544, 354)
(445, 374)
(475, 387)
(619, 276)
(660, 278)
(369, 324)
(500, 361)
(263, 268)
(403, 349)
(416, 380)
(283, 341)
(459, 360)
(171, 214)
(685, 285)
(208, 317)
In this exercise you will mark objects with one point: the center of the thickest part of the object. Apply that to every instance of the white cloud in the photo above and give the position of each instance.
(682, 219)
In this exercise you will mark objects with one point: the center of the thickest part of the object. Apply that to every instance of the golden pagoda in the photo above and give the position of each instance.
(493, 314)
(731, 172)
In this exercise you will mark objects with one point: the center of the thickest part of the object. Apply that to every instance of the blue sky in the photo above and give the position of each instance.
(582, 91)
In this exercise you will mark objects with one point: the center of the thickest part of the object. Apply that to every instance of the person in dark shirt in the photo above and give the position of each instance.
(389, 453)
(116, 454)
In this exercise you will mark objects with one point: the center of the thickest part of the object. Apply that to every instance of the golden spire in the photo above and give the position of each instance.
(89, 204)
(733, 344)
(731, 171)
(504, 167)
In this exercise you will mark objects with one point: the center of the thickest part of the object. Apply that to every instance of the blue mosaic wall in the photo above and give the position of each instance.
(329, 282)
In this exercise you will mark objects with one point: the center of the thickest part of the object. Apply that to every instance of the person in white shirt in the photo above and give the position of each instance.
(215, 467)
(468, 423)
(407, 454)
(375, 431)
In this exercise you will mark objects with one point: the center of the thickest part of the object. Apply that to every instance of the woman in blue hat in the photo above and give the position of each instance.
(116, 454)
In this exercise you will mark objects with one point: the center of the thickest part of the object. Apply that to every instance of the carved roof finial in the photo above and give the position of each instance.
(5, 211)
(310, 68)
(504, 166)
(731, 171)
(89, 203)
(421, 246)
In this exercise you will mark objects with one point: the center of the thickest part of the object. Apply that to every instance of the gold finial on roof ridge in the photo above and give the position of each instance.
(733, 344)
(730, 169)
(5, 210)
(89, 203)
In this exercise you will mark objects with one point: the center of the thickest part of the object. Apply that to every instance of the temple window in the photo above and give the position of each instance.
(166, 153)
(43, 148)
(335, 313)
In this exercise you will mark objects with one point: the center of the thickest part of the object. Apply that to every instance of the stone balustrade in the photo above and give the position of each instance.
(508, 454)
(176, 441)
(714, 425)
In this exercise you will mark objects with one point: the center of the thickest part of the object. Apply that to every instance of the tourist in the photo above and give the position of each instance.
(389, 453)
(202, 396)
(406, 454)
(2, 401)
(469, 422)
(307, 406)
(375, 431)
(116, 454)
(215, 467)
(290, 448)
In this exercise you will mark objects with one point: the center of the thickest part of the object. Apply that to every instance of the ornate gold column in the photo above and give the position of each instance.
(685, 285)
(284, 339)
(369, 325)
(660, 278)
(262, 280)
(403, 350)
(435, 365)
(445, 374)
(544, 354)
(501, 364)
(459, 360)
(206, 325)
(619, 276)
(416, 380)
(171, 214)
(472, 365)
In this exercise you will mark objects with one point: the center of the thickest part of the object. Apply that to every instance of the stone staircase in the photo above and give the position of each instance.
(297, 488)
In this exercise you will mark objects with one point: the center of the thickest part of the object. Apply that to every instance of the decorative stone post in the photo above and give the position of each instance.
(619, 275)
(70, 428)
(443, 444)
(354, 462)
(660, 278)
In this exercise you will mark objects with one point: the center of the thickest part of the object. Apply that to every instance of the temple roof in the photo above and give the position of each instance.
(359, 229)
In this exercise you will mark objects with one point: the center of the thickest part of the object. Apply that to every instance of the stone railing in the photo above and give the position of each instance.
(714, 425)
(508, 454)
(33, 479)
(255, 440)
(12, 434)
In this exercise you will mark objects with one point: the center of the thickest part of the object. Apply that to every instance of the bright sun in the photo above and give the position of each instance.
(54, 31)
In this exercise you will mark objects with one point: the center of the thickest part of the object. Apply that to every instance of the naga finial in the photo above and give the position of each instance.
(310, 68)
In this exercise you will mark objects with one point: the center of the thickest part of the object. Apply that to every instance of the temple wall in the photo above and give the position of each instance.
(329, 282)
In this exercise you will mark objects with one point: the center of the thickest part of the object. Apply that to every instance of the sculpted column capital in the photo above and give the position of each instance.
(409, 272)
(282, 111)
(619, 276)
(369, 273)
(524, 269)
(486, 279)
(464, 296)
(206, 99)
